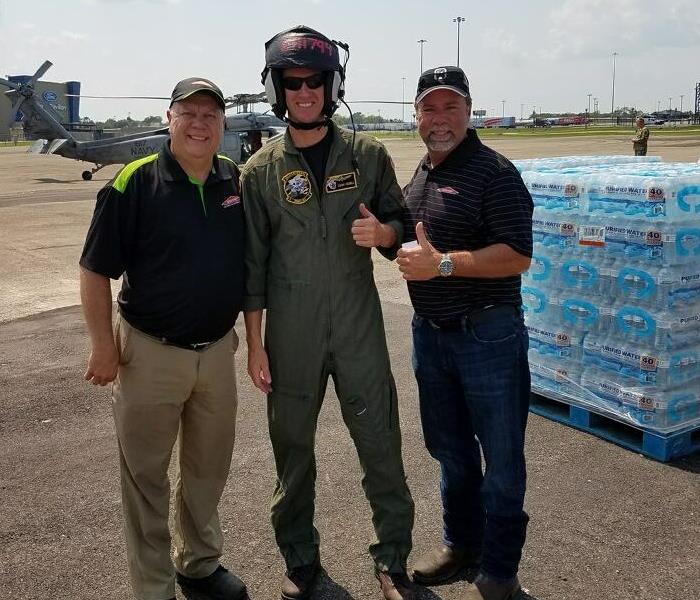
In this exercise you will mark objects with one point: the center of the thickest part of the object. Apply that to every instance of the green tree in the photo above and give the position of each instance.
(153, 120)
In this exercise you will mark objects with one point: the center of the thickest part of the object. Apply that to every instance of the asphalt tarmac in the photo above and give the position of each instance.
(606, 523)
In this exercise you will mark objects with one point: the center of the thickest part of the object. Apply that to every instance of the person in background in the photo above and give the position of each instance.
(640, 139)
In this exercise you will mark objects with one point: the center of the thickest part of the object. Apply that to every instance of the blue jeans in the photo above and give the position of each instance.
(474, 388)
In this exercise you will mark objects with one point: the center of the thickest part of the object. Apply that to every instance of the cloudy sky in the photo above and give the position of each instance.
(541, 54)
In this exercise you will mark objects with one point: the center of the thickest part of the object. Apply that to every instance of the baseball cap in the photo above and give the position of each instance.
(192, 85)
(442, 78)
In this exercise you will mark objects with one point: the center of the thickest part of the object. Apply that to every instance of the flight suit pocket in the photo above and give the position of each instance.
(291, 417)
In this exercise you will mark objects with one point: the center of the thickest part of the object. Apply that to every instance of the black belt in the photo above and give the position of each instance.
(198, 346)
(474, 317)
(173, 342)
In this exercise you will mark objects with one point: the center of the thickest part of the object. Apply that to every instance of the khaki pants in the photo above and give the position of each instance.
(161, 391)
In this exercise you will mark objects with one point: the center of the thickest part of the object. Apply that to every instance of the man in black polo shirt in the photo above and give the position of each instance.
(470, 213)
(172, 225)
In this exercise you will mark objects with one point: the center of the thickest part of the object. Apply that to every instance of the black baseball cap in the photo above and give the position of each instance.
(193, 85)
(442, 78)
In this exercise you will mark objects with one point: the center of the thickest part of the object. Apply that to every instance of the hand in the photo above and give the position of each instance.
(103, 364)
(259, 368)
(419, 263)
(368, 232)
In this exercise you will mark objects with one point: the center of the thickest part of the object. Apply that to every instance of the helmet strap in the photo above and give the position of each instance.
(308, 126)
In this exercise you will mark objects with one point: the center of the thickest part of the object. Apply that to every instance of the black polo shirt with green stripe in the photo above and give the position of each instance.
(473, 199)
(177, 242)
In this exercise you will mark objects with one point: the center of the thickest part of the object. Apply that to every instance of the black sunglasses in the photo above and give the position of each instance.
(312, 82)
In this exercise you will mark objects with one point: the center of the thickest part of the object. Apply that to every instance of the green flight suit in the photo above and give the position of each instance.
(324, 318)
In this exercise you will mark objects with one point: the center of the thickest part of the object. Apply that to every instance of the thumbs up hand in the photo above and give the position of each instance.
(419, 263)
(369, 232)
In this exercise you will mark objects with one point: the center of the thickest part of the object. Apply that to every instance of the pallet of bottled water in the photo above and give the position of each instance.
(612, 297)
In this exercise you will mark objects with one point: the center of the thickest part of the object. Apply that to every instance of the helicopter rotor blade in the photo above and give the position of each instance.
(118, 97)
(40, 72)
(378, 102)
(14, 109)
(9, 84)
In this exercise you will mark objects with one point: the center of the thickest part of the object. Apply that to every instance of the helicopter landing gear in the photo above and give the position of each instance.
(87, 175)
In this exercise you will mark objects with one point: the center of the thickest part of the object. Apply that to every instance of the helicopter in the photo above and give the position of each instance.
(41, 122)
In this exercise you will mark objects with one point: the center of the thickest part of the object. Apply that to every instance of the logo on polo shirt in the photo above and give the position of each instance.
(448, 190)
(231, 201)
(297, 187)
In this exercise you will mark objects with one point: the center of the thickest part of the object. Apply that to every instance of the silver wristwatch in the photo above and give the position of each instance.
(446, 266)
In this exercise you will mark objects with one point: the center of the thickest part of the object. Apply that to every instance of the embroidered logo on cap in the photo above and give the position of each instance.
(297, 187)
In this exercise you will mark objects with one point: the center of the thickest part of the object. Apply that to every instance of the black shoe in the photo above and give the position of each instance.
(220, 585)
(297, 582)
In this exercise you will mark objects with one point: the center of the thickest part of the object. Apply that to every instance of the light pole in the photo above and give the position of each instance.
(612, 104)
(459, 21)
(421, 42)
(503, 111)
(669, 105)
(595, 105)
(589, 103)
(403, 97)
(682, 105)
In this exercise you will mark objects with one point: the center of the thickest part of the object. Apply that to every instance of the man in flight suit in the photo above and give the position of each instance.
(316, 202)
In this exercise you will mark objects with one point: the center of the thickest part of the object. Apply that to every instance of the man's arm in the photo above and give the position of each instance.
(494, 261)
(258, 365)
(256, 257)
(96, 298)
(381, 224)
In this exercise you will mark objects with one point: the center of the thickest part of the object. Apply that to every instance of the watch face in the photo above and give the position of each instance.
(445, 267)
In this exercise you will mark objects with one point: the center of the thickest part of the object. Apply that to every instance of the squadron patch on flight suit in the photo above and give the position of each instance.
(338, 183)
(297, 187)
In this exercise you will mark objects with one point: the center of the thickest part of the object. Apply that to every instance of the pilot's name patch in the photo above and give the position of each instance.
(339, 183)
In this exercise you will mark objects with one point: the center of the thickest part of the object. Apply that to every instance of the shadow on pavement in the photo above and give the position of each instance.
(687, 463)
(52, 180)
(326, 588)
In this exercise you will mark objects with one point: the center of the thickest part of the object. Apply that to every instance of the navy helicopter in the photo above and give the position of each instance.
(41, 122)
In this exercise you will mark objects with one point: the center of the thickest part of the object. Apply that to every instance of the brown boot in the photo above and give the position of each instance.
(396, 586)
(297, 582)
(488, 588)
(443, 563)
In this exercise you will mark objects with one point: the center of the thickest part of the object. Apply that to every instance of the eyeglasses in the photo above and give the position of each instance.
(312, 82)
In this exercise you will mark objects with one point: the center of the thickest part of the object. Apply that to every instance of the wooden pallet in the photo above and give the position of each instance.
(649, 443)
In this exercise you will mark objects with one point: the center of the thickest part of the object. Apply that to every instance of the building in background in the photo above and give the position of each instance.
(53, 94)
